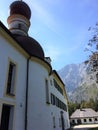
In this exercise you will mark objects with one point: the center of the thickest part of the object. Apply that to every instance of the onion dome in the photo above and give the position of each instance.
(19, 19)
(18, 23)
(20, 7)
(31, 46)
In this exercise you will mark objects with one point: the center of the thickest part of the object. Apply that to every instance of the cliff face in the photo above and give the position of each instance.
(80, 83)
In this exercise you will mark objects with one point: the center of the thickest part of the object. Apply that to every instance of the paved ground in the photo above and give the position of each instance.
(84, 127)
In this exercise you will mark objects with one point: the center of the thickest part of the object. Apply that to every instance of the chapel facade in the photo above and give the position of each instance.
(32, 95)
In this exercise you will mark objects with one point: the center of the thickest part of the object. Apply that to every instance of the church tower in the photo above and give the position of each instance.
(19, 19)
(19, 23)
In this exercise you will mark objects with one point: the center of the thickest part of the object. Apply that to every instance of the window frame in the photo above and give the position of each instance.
(57, 86)
(11, 90)
(85, 120)
(90, 119)
(47, 91)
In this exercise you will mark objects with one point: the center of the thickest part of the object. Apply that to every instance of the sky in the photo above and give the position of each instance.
(60, 26)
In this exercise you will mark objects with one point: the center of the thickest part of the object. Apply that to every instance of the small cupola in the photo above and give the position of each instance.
(19, 19)
(18, 25)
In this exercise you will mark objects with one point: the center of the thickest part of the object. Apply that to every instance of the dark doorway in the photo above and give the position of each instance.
(6, 122)
(62, 121)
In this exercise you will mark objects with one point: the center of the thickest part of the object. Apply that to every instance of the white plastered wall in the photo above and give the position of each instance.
(8, 51)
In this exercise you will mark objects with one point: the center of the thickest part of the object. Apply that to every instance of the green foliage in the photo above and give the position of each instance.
(84, 104)
(85, 92)
(72, 107)
(93, 128)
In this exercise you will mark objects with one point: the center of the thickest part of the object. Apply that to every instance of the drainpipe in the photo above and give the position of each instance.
(26, 98)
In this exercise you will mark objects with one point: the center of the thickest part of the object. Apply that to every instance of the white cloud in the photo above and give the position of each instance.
(40, 11)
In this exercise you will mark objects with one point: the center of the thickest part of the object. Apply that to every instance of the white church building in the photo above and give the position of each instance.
(32, 95)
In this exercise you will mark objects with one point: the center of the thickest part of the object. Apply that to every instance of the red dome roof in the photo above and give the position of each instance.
(20, 7)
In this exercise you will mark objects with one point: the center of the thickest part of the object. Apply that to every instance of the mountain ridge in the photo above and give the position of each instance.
(79, 82)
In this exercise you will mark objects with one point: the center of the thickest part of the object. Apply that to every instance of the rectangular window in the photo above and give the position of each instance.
(59, 122)
(90, 120)
(11, 78)
(47, 92)
(54, 122)
(7, 117)
(65, 107)
(57, 102)
(52, 99)
(96, 119)
(73, 121)
(58, 87)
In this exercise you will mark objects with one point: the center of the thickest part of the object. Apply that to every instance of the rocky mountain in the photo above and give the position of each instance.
(79, 82)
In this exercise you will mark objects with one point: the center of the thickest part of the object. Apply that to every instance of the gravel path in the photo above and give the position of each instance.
(84, 127)
(80, 129)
